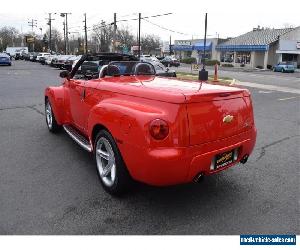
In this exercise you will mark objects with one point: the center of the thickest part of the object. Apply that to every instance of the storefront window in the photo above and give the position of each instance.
(289, 57)
(227, 56)
(243, 57)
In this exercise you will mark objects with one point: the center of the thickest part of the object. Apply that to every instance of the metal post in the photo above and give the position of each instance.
(67, 37)
(170, 47)
(64, 24)
(115, 32)
(204, 54)
(203, 74)
(139, 42)
(85, 35)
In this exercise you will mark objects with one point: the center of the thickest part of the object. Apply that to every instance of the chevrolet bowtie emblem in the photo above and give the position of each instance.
(227, 118)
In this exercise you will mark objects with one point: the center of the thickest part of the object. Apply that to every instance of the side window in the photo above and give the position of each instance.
(88, 70)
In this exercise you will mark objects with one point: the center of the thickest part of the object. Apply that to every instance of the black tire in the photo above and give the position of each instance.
(282, 70)
(51, 125)
(122, 180)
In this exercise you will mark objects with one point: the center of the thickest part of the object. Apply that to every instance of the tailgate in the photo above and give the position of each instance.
(215, 119)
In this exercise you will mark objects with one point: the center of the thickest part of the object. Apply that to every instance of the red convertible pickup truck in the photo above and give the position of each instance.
(160, 131)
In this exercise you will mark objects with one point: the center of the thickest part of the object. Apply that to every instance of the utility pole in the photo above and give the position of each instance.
(139, 41)
(85, 36)
(50, 26)
(66, 29)
(115, 32)
(32, 23)
(170, 48)
(203, 74)
(65, 41)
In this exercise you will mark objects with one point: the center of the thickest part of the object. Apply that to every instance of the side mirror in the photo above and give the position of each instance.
(64, 74)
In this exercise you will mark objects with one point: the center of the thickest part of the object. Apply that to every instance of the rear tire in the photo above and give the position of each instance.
(50, 118)
(282, 70)
(111, 168)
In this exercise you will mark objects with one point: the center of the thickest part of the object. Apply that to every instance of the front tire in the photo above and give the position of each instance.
(111, 168)
(50, 118)
(282, 70)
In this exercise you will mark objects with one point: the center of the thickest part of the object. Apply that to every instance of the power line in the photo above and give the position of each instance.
(146, 17)
(164, 28)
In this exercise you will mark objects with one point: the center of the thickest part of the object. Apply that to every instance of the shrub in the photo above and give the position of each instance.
(229, 65)
(189, 60)
(259, 67)
(211, 62)
(269, 66)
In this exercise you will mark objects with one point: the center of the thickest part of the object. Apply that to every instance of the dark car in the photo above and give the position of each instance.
(26, 56)
(170, 61)
(18, 56)
(69, 62)
(5, 59)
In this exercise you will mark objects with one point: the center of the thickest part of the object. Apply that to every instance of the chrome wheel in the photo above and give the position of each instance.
(106, 163)
(49, 117)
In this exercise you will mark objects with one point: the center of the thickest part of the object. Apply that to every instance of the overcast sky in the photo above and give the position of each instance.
(227, 18)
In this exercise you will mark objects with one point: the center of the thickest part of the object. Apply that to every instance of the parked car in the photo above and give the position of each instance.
(169, 61)
(18, 56)
(33, 56)
(161, 70)
(26, 56)
(284, 67)
(5, 59)
(69, 62)
(48, 59)
(160, 131)
(39, 55)
(60, 60)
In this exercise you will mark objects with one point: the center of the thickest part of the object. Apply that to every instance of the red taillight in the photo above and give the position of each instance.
(159, 129)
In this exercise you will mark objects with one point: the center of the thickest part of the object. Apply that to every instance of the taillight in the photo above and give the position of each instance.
(159, 129)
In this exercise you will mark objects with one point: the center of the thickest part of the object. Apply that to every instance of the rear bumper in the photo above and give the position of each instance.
(169, 166)
(5, 63)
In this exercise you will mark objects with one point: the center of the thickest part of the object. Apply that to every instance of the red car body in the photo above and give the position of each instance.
(203, 120)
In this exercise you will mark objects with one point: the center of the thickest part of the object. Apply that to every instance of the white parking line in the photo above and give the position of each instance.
(269, 87)
(264, 92)
(287, 98)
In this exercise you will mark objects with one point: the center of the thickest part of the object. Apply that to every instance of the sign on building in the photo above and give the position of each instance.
(29, 39)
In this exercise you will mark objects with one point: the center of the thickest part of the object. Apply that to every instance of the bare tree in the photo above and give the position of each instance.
(9, 36)
(288, 25)
(150, 44)
(104, 34)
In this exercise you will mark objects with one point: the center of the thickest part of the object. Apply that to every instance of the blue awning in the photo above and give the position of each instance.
(200, 46)
(242, 47)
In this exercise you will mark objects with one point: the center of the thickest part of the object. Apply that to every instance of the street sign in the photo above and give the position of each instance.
(195, 67)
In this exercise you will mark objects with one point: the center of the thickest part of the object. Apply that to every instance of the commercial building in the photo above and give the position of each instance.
(257, 48)
(195, 48)
(289, 47)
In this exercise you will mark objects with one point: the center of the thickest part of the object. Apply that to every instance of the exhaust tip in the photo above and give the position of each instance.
(244, 159)
(199, 178)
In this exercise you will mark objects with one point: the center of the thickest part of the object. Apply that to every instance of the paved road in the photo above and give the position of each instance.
(48, 184)
(290, 80)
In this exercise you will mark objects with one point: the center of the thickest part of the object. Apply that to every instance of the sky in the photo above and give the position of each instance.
(228, 18)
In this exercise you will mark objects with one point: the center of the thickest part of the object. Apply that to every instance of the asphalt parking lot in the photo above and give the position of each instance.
(49, 185)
